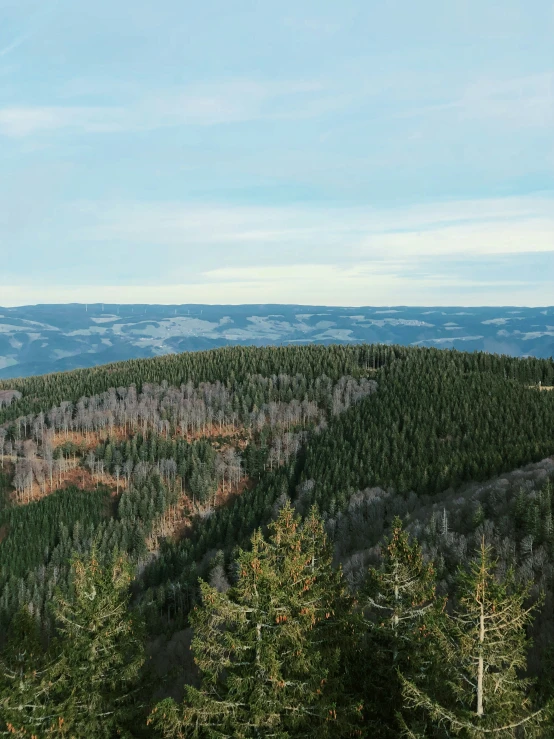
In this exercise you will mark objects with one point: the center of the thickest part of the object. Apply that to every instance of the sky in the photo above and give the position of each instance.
(324, 153)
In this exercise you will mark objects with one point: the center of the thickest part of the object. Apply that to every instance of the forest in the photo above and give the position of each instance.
(336, 540)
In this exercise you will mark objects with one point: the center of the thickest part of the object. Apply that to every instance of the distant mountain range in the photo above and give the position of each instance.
(52, 338)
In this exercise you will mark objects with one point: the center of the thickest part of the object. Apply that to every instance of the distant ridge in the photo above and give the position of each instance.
(50, 338)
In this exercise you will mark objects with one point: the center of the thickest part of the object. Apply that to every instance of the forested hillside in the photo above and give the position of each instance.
(139, 481)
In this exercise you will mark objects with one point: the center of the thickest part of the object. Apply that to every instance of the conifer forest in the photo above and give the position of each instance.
(279, 542)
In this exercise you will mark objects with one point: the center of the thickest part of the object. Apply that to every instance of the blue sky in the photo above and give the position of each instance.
(352, 153)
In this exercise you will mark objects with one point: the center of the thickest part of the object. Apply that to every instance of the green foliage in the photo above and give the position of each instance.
(42, 525)
(481, 651)
(38, 541)
(153, 448)
(269, 649)
(5, 488)
(171, 579)
(430, 426)
(437, 420)
(399, 599)
(39, 538)
(228, 365)
(85, 684)
(234, 364)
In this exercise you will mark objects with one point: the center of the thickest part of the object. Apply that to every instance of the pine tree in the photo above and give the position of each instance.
(482, 647)
(269, 648)
(399, 596)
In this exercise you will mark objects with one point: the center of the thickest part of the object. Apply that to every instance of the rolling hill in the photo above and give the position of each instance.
(175, 462)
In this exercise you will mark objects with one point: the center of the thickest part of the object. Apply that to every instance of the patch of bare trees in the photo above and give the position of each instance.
(167, 410)
(194, 410)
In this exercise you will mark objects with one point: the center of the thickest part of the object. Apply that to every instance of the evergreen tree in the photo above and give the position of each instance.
(269, 648)
(482, 647)
(399, 597)
(86, 685)
(21, 661)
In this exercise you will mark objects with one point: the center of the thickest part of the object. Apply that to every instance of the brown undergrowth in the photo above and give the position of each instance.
(90, 440)
(176, 522)
(74, 475)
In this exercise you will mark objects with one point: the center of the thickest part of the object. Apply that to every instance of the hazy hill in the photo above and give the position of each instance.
(50, 338)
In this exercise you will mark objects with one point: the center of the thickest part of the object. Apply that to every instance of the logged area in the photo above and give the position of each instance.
(197, 469)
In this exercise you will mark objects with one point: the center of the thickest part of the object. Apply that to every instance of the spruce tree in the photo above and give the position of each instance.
(22, 660)
(87, 681)
(269, 648)
(482, 648)
(399, 597)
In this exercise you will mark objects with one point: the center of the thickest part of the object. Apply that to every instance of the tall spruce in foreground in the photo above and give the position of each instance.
(398, 598)
(84, 686)
(483, 648)
(269, 648)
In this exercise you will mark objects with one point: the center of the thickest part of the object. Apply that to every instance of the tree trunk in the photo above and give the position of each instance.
(481, 666)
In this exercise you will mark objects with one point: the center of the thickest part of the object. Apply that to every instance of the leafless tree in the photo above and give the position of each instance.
(128, 467)
(3, 434)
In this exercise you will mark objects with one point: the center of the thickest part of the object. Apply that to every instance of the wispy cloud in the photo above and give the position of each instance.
(230, 101)
(32, 22)
(24, 121)
(326, 285)
(455, 251)
(316, 25)
(516, 102)
(174, 130)
(496, 251)
(522, 102)
(494, 226)
(505, 102)
(14, 44)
